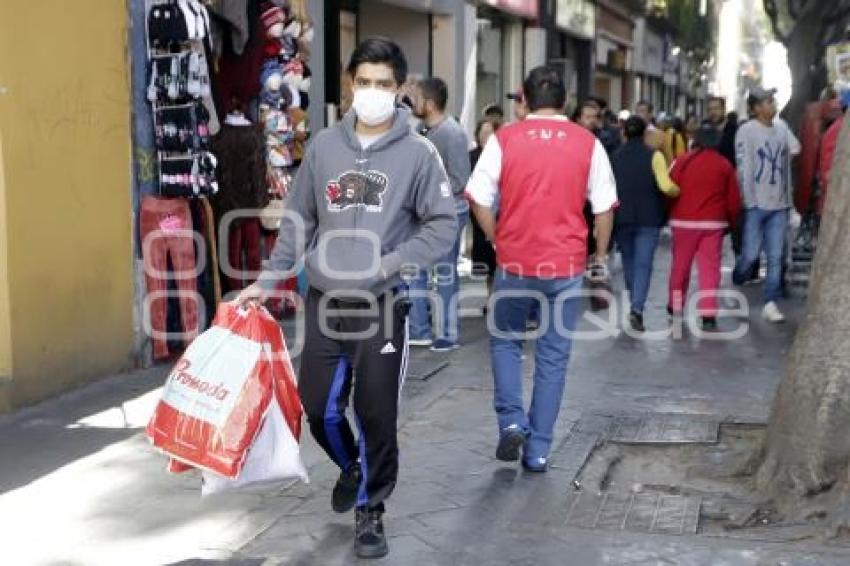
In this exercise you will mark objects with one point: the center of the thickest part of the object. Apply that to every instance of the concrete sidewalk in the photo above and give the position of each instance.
(79, 484)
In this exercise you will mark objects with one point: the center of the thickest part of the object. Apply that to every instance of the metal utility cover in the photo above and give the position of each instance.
(663, 429)
(638, 512)
(572, 454)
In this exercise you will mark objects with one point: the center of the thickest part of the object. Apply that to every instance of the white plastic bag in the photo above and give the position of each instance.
(274, 456)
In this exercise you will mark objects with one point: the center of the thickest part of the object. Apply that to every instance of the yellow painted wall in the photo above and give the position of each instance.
(5, 336)
(66, 294)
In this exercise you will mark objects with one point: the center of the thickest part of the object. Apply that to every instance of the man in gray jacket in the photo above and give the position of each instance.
(371, 200)
(453, 146)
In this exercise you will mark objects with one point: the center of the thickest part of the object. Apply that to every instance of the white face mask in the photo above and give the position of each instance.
(373, 105)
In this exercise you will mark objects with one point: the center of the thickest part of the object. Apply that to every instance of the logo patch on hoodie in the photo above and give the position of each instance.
(357, 189)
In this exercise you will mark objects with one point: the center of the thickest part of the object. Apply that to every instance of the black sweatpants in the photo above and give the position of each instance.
(361, 347)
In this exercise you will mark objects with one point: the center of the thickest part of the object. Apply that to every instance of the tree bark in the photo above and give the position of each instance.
(807, 450)
(805, 52)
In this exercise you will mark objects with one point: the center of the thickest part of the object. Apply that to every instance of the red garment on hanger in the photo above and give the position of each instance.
(163, 224)
(244, 243)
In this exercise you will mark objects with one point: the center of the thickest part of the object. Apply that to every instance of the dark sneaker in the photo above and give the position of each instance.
(535, 465)
(636, 322)
(345, 491)
(441, 345)
(510, 441)
(369, 538)
(709, 323)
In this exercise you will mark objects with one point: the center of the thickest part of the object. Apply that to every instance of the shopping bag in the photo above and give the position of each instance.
(274, 456)
(218, 393)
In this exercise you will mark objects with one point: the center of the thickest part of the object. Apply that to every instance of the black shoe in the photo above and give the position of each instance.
(369, 538)
(636, 321)
(345, 491)
(709, 323)
(510, 441)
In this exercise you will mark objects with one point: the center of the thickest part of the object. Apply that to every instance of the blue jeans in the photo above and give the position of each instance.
(637, 246)
(763, 229)
(447, 287)
(556, 298)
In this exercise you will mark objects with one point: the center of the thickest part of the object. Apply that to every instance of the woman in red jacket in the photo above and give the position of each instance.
(708, 205)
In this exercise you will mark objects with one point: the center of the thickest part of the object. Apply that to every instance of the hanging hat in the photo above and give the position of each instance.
(273, 15)
(293, 29)
(306, 81)
(293, 73)
(285, 98)
(272, 48)
(269, 70)
(288, 48)
(295, 97)
(308, 33)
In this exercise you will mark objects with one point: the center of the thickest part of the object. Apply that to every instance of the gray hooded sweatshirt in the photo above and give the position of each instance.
(358, 216)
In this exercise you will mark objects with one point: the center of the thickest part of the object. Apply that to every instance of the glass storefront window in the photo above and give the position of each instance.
(489, 69)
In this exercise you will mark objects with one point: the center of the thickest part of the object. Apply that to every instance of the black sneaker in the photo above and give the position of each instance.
(510, 441)
(345, 491)
(636, 321)
(369, 538)
(709, 323)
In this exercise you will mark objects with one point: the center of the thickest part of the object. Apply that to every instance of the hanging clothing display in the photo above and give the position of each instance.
(166, 230)
(208, 59)
(235, 14)
(240, 147)
(241, 167)
(285, 79)
(184, 119)
(237, 81)
(179, 91)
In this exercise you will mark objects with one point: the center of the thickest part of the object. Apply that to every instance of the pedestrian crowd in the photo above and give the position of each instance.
(550, 198)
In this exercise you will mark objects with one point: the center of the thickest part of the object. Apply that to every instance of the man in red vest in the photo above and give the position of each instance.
(541, 170)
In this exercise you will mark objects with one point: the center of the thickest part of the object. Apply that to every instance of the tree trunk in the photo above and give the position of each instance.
(808, 442)
(804, 51)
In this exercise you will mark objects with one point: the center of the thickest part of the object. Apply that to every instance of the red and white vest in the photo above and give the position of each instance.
(541, 230)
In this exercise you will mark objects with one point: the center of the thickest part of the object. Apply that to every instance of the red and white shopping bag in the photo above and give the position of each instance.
(219, 394)
(274, 456)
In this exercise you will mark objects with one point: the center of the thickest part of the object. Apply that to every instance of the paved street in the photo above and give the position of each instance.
(79, 484)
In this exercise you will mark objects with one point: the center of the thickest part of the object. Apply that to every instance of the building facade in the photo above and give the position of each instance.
(66, 276)
(437, 38)
(614, 51)
(648, 62)
(570, 47)
(509, 42)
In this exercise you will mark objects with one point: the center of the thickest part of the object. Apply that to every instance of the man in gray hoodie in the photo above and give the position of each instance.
(371, 200)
